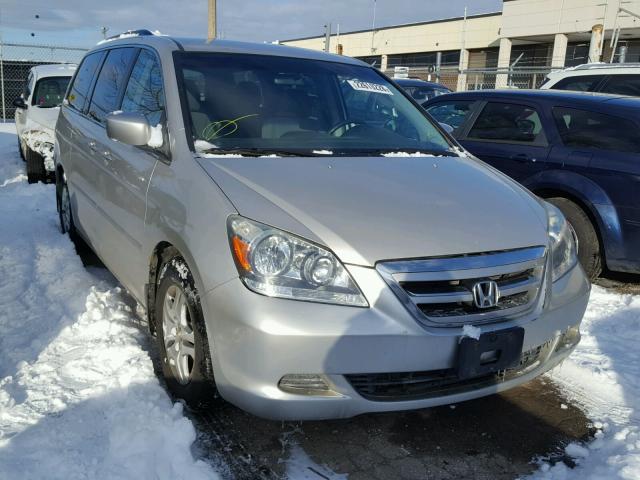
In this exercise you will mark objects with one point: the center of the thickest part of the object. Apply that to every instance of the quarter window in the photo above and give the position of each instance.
(110, 83)
(583, 129)
(80, 88)
(144, 93)
(508, 122)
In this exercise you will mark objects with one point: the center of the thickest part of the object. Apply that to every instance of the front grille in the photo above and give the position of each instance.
(439, 291)
(435, 383)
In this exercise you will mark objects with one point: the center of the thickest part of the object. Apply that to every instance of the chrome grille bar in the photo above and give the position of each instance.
(439, 291)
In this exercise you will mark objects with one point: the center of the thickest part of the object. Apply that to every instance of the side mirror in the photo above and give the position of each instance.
(447, 128)
(129, 128)
(20, 103)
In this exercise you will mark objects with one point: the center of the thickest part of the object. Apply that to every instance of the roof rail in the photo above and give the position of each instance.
(142, 32)
(594, 66)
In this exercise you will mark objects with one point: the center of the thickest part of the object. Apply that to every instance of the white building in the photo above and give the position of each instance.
(538, 34)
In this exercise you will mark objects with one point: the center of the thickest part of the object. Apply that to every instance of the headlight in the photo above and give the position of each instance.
(278, 264)
(564, 245)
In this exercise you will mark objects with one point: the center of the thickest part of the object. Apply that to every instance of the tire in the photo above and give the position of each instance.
(65, 212)
(589, 251)
(186, 363)
(21, 149)
(35, 167)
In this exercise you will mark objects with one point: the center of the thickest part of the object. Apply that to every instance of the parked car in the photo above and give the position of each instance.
(305, 239)
(36, 114)
(420, 90)
(613, 78)
(579, 151)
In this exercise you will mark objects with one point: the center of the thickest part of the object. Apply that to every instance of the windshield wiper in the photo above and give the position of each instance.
(260, 152)
(390, 151)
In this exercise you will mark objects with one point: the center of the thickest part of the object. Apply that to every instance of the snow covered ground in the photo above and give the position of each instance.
(603, 376)
(79, 397)
(78, 394)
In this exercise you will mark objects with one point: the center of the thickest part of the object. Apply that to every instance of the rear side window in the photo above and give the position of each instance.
(507, 122)
(80, 88)
(110, 83)
(623, 85)
(144, 93)
(583, 129)
(583, 83)
(451, 113)
(50, 91)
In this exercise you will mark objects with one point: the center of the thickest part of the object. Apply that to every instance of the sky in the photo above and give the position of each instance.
(78, 22)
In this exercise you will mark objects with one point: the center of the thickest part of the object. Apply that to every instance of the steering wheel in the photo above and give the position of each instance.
(343, 125)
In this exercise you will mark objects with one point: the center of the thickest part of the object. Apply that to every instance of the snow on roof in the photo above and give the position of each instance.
(54, 70)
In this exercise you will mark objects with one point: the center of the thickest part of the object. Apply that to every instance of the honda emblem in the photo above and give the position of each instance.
(486, 294)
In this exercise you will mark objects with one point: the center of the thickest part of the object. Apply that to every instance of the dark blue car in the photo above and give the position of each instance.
(579, 151)
(421, 90)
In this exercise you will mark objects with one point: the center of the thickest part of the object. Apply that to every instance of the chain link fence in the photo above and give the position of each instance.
(480, 79)
(16, 59)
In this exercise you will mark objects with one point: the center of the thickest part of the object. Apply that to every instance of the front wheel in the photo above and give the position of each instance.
(182, 336)
(588, 241)
(65, 215)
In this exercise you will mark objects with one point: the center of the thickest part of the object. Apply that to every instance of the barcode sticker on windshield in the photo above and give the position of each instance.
(369, 87)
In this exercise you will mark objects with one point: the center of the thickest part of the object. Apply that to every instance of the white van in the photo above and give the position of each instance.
(36, 114)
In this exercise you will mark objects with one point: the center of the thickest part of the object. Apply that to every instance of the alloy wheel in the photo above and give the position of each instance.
(177, 332)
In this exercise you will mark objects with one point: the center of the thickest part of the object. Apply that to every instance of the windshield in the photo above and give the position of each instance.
(49, 92)
(268, 103)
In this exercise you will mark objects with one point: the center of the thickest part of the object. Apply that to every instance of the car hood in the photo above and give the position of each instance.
(382, 208)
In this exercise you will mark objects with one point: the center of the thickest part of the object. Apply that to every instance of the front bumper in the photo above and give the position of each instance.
(256, 340)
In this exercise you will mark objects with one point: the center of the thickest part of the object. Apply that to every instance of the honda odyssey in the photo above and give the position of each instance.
(306, 241)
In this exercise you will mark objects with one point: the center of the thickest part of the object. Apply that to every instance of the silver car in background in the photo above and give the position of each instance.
(306, 241)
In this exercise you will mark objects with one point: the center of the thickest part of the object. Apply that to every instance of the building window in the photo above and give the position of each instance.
(577, 54)
(373, 60)
(423, 59)
(538, 55)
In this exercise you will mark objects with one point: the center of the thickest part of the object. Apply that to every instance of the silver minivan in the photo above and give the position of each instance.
(306, 241)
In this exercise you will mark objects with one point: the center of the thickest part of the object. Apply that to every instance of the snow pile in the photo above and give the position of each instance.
(156, 140)
(471, 332)
(407, 154)
(41, 142)
(78, 394)
(603, 376)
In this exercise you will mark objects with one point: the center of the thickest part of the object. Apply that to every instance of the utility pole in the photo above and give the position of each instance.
(327, 37)
(212, 20)
(373, 27)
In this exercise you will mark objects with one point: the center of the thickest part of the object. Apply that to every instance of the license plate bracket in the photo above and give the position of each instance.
(490, 353)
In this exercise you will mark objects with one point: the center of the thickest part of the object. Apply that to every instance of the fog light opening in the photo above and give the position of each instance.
(569, 338)
(306, 384)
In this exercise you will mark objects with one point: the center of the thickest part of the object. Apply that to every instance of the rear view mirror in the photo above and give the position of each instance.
(20, 103)
(129, 128)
